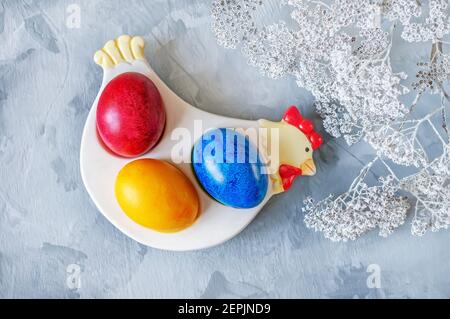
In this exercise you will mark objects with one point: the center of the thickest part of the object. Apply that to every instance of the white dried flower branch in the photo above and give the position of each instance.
(431, 189)
(399, 142)
(363, 208)
(340, 51)
(435, 26)
(359, 210)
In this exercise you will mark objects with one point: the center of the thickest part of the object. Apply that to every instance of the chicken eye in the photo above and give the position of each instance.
(307, 150)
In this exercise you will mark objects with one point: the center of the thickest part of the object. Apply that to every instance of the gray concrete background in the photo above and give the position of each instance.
(49, 227)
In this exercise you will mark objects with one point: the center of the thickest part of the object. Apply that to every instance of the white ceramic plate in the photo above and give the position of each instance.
(216, 223)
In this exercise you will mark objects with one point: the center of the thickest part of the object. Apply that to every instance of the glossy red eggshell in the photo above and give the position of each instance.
(130, 115)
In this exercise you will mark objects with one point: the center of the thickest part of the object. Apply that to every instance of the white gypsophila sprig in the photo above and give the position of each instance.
(278, 41)
(431, 189)
(401, 10)
(340, 50)
(338, 122)
(232, 20)
(435, 26)
(369, 91)
(399, 142)
(433, 74)
(336, 67)
(359, 210)
(374, 42)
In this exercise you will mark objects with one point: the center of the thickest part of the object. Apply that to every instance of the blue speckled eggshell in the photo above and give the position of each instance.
(223, 171)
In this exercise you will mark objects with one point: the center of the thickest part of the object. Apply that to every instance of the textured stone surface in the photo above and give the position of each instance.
(48, 224)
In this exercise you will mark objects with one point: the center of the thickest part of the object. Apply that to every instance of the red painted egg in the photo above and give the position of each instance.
(130, 115)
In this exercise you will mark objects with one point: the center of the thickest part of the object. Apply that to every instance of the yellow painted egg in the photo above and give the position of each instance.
(157, 195)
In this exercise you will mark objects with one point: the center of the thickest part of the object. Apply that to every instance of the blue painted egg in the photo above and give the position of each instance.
(229, 168)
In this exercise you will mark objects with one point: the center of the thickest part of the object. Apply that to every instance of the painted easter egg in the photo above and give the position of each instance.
(157, 195)
(229, 168)
(130, 115)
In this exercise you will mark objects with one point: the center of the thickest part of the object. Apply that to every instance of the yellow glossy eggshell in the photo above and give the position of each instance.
(157, 195)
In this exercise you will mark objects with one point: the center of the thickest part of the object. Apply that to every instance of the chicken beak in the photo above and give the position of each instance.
(308, 168)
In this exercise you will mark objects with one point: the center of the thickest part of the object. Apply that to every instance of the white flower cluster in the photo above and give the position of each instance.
(374, 43)
(399, 142)
(433, 74)
(278, 41)
(338, 122)
(431, 188)
(369, 92)
(335, 66)
(358, 211)
(436, 25)
(340, 50)
(236, 17)
(401, 10)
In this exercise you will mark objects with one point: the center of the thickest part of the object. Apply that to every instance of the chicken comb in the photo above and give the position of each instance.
(294, 118)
